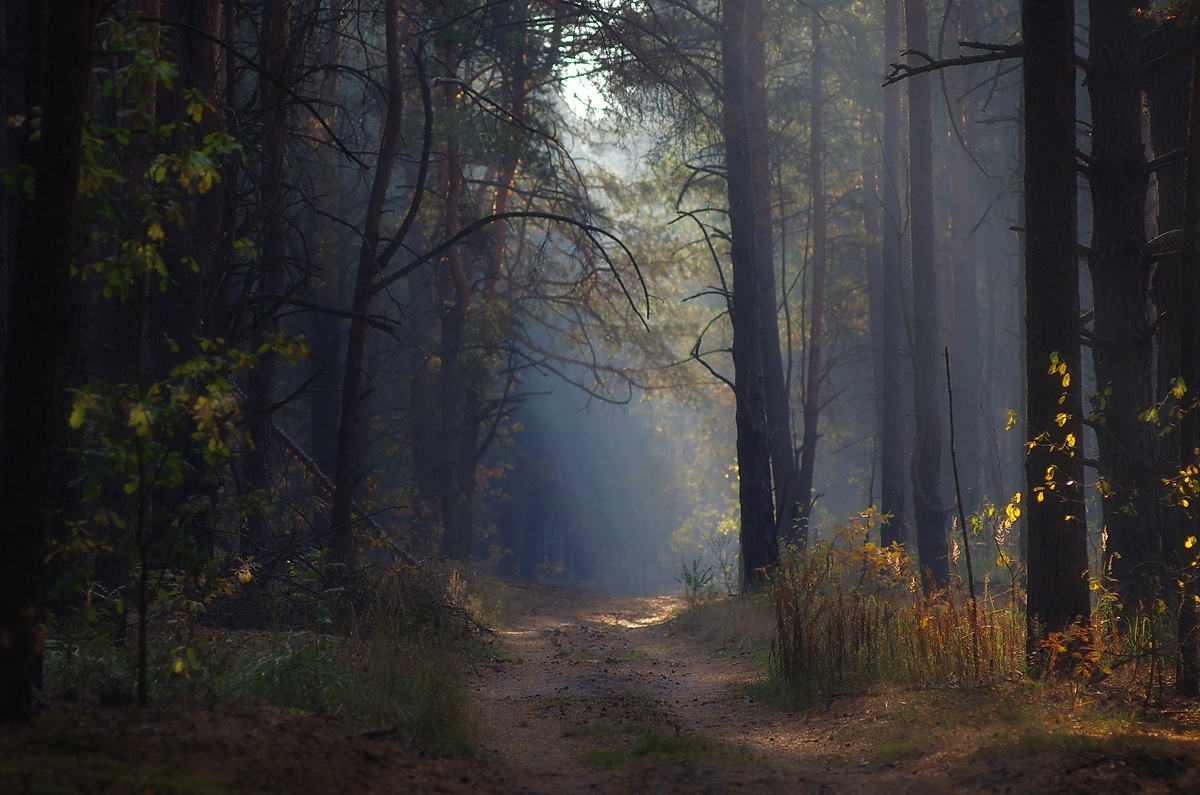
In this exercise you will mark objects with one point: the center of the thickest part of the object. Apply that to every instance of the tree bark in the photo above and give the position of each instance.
(964, 341)
(743, 66)
(893, 487)
(1057, 533)
(341, 530)
(816, 333)
(1130, 455)
(275, 53)
(39, 335)
(1188, 681)
(929, 510)
(1168, 123)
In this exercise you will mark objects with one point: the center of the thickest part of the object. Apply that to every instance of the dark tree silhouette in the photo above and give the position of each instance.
(1131, 455)
(1057, 532)
(39, 333)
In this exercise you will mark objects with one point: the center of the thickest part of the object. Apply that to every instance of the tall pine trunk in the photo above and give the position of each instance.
(929, 511)
(893, 487)
(1188, 680)
(816, 333)
(341, 530)
(38, 337)
(743, 65)
(275, 54)
(1057, 532)
(965, 315)
(1130, 453)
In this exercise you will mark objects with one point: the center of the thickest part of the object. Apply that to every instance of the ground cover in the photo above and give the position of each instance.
(584, 692)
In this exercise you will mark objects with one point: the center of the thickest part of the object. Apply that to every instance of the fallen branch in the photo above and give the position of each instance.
(326, 484)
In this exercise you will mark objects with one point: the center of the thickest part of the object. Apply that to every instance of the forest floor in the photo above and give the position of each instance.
(588, 692)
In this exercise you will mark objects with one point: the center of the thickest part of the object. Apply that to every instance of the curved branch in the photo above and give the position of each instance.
(901, 71)
(229, 48)
(592, 231)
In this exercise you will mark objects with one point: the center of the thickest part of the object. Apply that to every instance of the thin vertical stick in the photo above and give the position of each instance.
(962, 523)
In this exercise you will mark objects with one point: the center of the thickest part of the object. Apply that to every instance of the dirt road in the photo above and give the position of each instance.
(608, 694)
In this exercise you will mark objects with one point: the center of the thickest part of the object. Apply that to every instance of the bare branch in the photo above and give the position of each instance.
(901, 71)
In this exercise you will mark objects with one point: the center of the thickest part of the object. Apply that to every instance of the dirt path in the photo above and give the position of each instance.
(609, 694)
(606, 694)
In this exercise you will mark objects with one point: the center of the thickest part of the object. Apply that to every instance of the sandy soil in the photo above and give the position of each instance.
(588, 693)
(609, 694)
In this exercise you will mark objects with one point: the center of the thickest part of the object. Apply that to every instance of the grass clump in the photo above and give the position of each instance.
(850, 617)
(657, 745)
(606, 757)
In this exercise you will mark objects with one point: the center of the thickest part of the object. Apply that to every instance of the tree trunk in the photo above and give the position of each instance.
(929, 511)
(965, 316)
(275, 54)
(812, 381)
(1188, 680)
(1057, 532)
(1168, 122)
(743, 66)
(326, 334)
(455, 294)
(1130, 456)
(789, 498)
(39, 335)
(893, 488)
(341, 530)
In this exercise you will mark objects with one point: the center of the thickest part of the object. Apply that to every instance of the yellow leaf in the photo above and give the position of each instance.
(177, 667)
(1061, 418)
(1190, 542)
(1066, 381)
(1070, 440)
(139, 420)
(1041, 496)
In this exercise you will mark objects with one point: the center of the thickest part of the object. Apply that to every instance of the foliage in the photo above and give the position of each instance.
(397, 664)
(698, 582)
(850, 616)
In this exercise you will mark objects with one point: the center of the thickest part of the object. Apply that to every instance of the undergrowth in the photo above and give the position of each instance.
(850, 617)
(395, 661)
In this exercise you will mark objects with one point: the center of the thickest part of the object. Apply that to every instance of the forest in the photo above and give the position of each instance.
(382, 363)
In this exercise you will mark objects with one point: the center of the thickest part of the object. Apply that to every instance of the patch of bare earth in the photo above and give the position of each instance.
(595, 693)
(609, 694)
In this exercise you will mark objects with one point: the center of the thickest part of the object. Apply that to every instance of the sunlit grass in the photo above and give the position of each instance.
(850, 617)
(732, 623)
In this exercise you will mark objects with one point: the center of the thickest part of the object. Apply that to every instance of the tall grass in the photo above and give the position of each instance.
(850, 617)
(394, 660)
